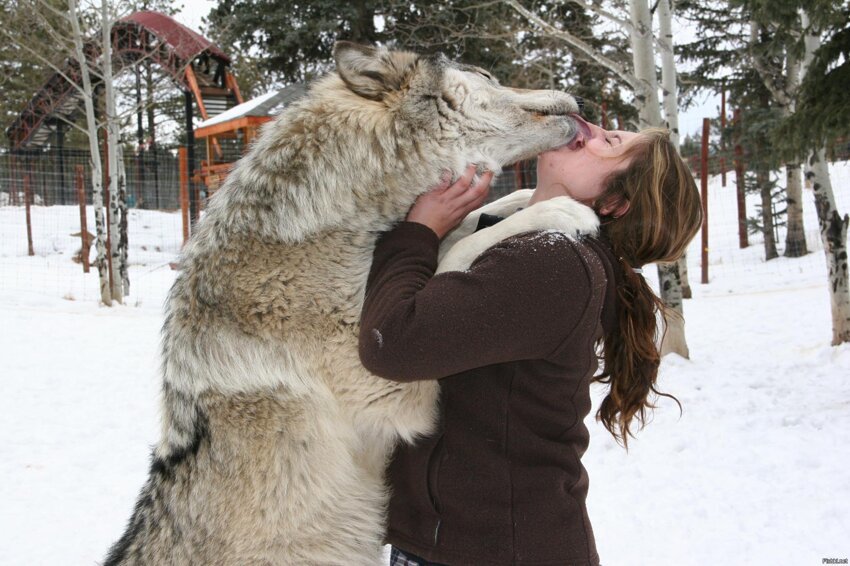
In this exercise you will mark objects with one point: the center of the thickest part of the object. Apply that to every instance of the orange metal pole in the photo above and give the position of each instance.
(743, 237)
(183, 159)
(518, 175)
(14, 180)
(706, 127)
(192, 81)
(231, 83)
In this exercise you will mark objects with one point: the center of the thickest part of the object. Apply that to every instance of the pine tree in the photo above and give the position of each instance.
(783, 31)
(295, 39)
(762, 84)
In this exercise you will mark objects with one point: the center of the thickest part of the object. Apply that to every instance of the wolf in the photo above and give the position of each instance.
(274, 437)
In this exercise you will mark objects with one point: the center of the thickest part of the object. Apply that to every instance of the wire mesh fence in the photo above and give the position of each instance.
(49, 182)
(43, 246)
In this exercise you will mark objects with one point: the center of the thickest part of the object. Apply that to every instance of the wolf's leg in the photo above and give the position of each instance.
(505, 206)
(562, 214)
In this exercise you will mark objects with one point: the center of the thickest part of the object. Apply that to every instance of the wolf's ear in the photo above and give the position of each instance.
(372, 72)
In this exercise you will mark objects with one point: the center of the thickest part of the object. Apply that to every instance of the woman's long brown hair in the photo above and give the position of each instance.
(664, 214)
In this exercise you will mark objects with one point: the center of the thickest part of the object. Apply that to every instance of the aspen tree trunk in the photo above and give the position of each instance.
(767, 220)
(123, 237)
(833, 227)
(643, 54)
(795, 236)
(94, 151)
(649, 112)
(642, 79)
(668, 71)
(833, 232)
(113, 134)
(670, 102)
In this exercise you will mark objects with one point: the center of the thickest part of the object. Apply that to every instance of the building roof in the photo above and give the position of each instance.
(268, 104)
(186, 43)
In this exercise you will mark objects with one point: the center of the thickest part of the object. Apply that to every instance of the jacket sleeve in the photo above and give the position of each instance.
(521, 299)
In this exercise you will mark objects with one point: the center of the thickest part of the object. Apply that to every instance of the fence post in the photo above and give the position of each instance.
(743, 241)
(27, 202)
(84, 229)
(183, 160)
(706, 127)
(13, 193)
(519, 181)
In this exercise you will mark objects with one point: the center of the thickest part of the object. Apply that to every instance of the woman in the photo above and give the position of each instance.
(514, 341)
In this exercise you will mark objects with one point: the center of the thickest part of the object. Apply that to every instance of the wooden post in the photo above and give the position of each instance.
(723, 138)
(743, 240)
(706, 128)
(13, 193)
(62, 192)
(183, 160)
(519, 180)
(27, 203)
(84, 229)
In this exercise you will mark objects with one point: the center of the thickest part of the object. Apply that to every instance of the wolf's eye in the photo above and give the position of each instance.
(486, 75)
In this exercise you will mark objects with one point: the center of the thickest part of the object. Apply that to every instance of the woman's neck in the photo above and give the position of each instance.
(546, 192)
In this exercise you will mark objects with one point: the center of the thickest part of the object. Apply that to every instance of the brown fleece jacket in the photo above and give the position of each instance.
(512, 341)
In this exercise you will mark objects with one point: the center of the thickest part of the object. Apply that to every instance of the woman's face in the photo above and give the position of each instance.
(581, 166)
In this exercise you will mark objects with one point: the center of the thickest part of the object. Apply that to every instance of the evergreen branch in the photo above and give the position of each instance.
(580, 45)
(610, 16)
(41, 58)
(55, 11)
(780, 94)
(45, 24)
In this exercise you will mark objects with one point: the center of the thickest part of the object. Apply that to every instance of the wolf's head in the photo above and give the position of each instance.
(463, 106)
(369, 138)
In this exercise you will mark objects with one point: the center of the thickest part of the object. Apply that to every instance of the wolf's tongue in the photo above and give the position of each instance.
(582, 135)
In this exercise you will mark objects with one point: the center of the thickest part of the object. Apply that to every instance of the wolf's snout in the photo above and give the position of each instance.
(555, 104)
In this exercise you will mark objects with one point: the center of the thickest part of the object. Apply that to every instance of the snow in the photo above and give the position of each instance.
(265, 105)
(754, 471)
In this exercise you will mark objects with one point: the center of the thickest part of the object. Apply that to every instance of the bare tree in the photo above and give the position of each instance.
(670, 102)
(94, 152)
(641, 77)
(783, 84)
(113, 133)
(833, 227)
(84, 62)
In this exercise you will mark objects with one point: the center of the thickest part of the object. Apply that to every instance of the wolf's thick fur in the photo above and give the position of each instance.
(274, 437)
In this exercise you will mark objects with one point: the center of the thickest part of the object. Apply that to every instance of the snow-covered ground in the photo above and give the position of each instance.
(754, 471)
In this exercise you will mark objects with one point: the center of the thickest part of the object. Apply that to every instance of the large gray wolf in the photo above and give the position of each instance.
(274, 437)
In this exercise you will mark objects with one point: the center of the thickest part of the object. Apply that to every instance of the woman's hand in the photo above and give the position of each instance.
(444, 206)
